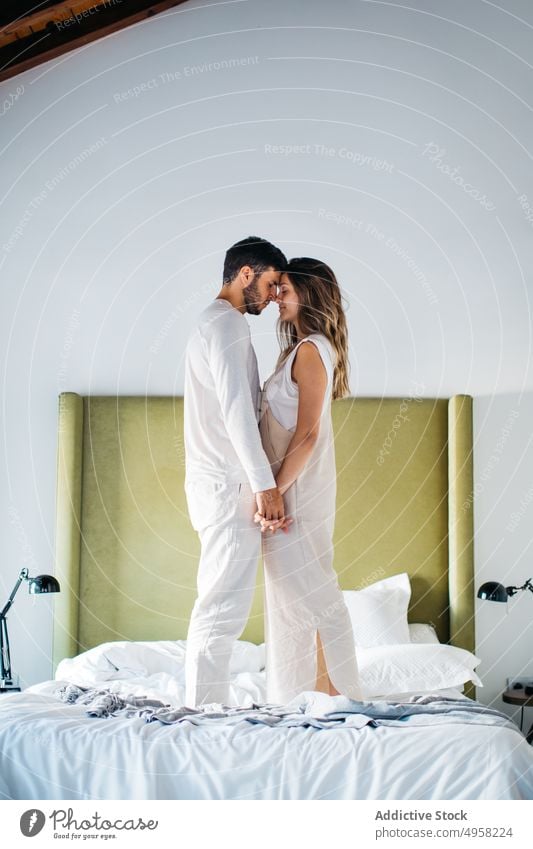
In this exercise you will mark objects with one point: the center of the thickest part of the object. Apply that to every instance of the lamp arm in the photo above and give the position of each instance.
(514, 590)
(5, 656)
(22, 577)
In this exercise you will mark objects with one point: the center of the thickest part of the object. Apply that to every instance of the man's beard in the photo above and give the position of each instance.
(252, 298)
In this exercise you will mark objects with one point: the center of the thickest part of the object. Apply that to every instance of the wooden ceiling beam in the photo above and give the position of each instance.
(29, 41)
(58, 14)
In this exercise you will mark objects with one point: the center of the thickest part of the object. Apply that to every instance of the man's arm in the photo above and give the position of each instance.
(228, 357)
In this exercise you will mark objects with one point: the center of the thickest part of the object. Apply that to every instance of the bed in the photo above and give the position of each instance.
(126, 559)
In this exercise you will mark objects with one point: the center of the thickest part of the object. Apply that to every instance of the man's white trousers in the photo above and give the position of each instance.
(222, 514)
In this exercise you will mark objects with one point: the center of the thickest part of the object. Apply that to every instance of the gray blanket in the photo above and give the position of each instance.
(309, 709)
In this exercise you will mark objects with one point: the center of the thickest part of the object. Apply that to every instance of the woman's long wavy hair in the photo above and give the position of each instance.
(320, 310)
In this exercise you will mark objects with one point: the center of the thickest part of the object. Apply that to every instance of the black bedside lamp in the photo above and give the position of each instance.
(40, 584)
(493, 591)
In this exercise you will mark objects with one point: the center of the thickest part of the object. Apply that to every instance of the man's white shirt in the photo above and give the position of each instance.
(222, 399)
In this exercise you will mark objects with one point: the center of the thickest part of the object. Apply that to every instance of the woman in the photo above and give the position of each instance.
(308, 634)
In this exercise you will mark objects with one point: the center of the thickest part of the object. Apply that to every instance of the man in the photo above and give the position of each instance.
(228, 476)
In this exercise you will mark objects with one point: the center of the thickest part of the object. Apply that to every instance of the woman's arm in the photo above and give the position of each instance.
(309, 373)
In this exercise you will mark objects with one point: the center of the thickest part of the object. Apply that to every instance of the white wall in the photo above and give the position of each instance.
(391, 142)
(503, 517)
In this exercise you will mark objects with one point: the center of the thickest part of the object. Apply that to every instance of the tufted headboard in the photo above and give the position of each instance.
(126, 554)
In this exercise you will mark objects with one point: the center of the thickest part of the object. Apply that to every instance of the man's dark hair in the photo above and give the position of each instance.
(255, 252)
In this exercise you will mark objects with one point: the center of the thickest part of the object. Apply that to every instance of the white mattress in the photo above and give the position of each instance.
(54, 751)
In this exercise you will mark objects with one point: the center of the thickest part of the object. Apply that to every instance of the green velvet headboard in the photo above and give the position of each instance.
(126, 555)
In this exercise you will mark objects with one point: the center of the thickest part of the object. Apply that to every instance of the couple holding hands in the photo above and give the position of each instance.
(264, 461)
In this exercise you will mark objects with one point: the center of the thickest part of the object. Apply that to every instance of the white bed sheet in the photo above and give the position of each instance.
(50, 750)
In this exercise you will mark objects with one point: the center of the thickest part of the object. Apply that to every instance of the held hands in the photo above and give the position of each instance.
(279, 525)
(271, 511)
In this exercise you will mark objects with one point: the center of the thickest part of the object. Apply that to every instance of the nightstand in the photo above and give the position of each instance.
(518, 697)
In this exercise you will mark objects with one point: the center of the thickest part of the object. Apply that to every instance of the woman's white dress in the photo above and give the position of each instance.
(302, 594)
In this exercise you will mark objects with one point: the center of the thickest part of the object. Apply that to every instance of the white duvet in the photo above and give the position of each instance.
(51, 750)
(157, 670)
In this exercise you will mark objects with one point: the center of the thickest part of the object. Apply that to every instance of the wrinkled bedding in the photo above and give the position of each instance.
(422, 745)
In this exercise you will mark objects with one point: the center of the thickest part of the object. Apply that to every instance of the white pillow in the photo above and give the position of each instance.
(127, 659)
(389, 670)
(420, 632)
(379, 612)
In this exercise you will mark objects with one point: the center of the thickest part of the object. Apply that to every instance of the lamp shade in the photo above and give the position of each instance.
(492, 591)
(44, 584)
